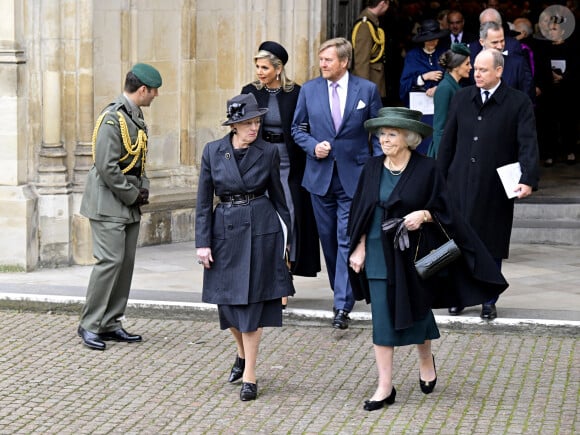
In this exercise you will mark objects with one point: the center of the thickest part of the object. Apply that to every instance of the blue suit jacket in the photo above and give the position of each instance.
(350, 144)
(516, 70)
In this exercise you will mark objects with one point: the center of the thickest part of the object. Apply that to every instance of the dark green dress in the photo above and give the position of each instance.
(384, 333)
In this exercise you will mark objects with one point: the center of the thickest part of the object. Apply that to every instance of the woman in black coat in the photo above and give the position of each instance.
(274, 90)
(241, 242)
(406, 187)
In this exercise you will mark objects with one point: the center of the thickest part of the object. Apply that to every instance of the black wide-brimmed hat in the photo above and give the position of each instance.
(243, 107)
(429, 30)
(399, 117)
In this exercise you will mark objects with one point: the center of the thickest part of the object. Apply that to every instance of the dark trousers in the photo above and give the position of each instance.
(331, 214)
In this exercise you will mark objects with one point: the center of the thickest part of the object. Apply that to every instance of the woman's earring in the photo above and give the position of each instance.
(278, 77)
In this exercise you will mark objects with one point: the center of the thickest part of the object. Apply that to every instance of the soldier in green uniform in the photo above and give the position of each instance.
(116, 187)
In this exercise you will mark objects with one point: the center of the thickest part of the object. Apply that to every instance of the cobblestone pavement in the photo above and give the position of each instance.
(311, 380)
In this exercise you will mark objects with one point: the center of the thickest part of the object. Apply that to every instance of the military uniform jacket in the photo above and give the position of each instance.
(246, 241)
(363, 53)
(108, 192)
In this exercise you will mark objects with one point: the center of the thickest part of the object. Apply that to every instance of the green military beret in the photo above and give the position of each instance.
(148, 75)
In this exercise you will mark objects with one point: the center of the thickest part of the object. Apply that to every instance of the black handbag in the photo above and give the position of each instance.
(437, 259)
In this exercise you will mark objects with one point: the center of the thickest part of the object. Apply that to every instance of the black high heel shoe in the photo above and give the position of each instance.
(373, 405)
(428, 386)
(237, 369)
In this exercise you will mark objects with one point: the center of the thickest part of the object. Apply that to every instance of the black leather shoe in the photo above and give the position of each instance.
(90, 339)
(427, 387)
(341, 320)
(373, 405)
(488, 312)
(454, 311)
(249, 391)
(237, 369)
(120, 335)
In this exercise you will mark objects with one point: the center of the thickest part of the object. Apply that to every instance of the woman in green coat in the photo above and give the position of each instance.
(457, 66)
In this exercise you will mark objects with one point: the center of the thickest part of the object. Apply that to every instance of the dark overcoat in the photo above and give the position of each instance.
(307, 261)
(472, 279)
(478, 139)
(246, 241)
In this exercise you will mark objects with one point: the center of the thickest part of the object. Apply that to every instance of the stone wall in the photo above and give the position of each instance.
(62, 61)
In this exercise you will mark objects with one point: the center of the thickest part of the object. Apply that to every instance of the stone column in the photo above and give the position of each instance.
(81, 71)
(18, 200)
(53, 184)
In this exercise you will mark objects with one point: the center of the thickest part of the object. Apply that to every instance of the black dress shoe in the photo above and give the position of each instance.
(427, 387)
(120, 335)
(488, 312)
(454, 311)
(90, 339)
(373, 405)
(249, 391)
(341, 320)
(237, 369)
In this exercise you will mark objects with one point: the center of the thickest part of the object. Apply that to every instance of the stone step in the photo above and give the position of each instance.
(547, 223)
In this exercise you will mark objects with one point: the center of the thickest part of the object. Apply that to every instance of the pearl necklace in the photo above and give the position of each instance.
(396, 172)
(273, 91)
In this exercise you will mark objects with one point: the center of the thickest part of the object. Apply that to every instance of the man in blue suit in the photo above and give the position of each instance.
(517, 72)
(329, 126)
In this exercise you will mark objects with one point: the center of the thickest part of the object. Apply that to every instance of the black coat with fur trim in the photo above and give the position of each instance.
(473, 279)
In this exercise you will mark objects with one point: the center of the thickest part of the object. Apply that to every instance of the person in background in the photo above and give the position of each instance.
(557, 123)
(489, 125)
(442, 19)
(335, 106)
(516, 71)
(457, 66)
(406, 187)
(274, 90)
(369, 45)
(421, 70)
(511, 45)
(456, 26)
(117, 186)
(241, 242)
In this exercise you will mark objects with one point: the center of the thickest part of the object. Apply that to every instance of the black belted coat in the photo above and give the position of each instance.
(246, 241)
(307, 245)
(473, 279)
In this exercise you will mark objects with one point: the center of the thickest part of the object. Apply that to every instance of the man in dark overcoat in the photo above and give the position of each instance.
(479, 137)
(117, 185)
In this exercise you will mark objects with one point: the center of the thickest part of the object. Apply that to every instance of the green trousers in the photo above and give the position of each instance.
(114, 246)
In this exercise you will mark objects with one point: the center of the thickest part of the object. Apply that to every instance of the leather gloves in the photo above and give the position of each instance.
(401, 238)
(142, 198)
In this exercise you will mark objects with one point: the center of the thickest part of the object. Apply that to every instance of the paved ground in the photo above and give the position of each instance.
(311, 380)
(518, 374)
(543, 284)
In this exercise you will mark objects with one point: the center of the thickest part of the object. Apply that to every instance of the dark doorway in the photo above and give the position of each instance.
(341, 16)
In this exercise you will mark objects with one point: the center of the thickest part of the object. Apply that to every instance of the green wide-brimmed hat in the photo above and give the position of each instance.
(148, 75)
(399, 117)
